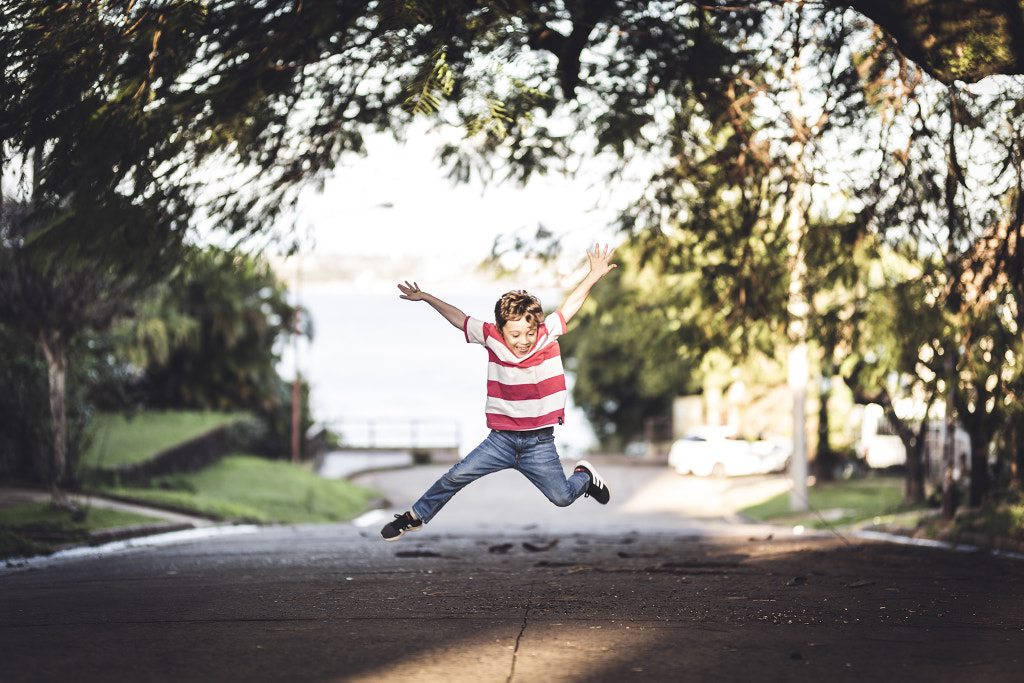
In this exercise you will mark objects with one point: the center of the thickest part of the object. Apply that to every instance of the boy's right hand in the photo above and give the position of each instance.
(411, 292)
(451, 314)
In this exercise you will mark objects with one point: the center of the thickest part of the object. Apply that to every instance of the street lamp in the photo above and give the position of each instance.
(798, 377)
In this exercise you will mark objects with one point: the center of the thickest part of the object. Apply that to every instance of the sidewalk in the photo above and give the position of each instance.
(164, 520)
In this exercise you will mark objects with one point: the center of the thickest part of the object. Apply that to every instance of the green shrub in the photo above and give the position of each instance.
(996, 518)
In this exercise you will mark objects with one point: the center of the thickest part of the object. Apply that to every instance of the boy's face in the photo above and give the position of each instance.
(520, 336)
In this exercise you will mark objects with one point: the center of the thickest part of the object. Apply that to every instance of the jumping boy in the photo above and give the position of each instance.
(525, 399)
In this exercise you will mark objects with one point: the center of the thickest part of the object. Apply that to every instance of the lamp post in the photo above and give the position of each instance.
(798, 376)
(297, 382)
(296, 390)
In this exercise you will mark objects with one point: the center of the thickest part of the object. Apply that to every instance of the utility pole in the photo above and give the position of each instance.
(297, 382)
(799, 371)
(797, 306)
(952, 285)
(296, 392)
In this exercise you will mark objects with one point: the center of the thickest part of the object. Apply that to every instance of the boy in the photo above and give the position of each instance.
(525, 399)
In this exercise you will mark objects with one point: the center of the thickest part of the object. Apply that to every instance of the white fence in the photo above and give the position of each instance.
(404, 434)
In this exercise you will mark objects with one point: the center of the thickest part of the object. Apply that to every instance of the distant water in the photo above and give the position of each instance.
(376, 357)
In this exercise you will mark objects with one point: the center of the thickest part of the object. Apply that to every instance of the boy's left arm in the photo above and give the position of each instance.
(600, 265)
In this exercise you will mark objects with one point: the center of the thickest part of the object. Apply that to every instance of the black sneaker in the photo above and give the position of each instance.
(597, 490)
(396, 529)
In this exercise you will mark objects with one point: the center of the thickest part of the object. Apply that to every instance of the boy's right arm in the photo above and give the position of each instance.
(450, 313)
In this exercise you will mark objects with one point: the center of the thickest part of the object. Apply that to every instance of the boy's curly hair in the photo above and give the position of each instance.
(515, 305)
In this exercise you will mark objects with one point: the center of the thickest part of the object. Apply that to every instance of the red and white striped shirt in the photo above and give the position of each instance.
(522, 393)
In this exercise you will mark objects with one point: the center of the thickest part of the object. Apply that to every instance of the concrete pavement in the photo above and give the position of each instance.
(505, 590)
(335, 603)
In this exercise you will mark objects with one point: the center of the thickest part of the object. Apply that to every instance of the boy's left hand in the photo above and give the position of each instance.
(600, 260)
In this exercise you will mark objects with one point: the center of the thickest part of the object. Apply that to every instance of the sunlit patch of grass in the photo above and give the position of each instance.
(837, 503)
(248, 488)
(120, 440)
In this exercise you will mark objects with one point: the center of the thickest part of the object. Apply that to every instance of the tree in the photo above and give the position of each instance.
(142, 93)
(23, 441)
(738, 194)
(634, 315)
(52, 303)
(86, 218)
(989, 302)
(209, 338)
(962, 40)
(947, 187)
(132, 103)
(893, 349)
(242, 319)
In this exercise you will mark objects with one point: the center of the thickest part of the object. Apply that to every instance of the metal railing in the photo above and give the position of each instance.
(397, 433)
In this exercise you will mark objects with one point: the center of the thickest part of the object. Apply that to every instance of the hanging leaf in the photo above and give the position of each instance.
(433, 89)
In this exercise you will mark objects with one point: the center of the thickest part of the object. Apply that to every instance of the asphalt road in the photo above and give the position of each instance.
(661, 585)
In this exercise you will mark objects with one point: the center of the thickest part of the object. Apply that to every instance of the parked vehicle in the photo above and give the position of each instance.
(881, 448)
(720, 453)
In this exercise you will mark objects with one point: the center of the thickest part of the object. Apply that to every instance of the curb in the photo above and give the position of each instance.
(101, 536)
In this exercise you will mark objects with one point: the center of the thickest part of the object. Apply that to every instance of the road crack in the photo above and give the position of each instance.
(522, 630)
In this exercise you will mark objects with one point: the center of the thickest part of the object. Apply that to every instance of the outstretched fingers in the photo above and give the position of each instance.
(600, 259)
(409, 291)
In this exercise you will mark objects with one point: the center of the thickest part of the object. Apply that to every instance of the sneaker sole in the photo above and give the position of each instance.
(403, 533)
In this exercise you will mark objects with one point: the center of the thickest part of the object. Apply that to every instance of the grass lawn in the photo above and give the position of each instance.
(119, 440)
(248, 488)
(838, 503)
(238, 488)
(35, 528)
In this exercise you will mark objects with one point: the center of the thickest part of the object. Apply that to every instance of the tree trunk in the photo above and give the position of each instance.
(913, 443)
(825, 459)
(53, 350)
(914, 481)
(980, 479)
(1017, 435)
(950, 360)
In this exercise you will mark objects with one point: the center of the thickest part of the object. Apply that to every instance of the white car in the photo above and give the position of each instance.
(727, 456)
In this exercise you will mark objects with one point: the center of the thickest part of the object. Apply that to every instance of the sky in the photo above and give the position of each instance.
(396, 202)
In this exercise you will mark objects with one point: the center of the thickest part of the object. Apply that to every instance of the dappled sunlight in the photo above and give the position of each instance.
(614, 608)
(577, 651)
(489, 656)
(333, 603)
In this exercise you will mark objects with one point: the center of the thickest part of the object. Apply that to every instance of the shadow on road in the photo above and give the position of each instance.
(658, 586)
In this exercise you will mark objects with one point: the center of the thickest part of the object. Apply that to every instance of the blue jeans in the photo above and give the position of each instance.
(532, 453)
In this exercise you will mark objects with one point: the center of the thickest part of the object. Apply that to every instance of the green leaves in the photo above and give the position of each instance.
(224, 317)
(432, 88)
(633, 348)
